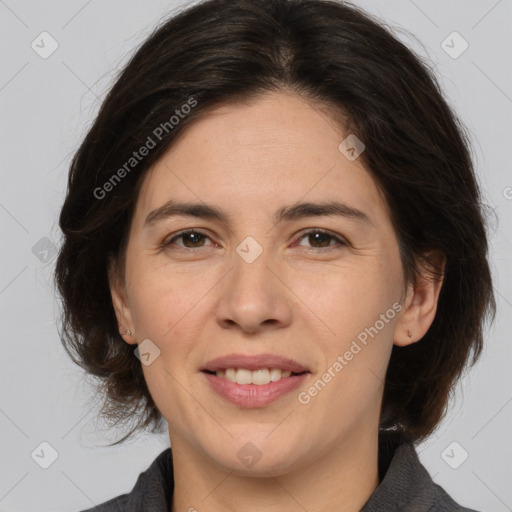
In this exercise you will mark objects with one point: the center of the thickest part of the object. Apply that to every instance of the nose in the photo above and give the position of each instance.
(253, 298)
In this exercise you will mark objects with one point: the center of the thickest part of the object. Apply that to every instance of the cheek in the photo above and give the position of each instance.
(355, 310)
(168, 304)
(355, 359)
(346, 298)
(154, 303)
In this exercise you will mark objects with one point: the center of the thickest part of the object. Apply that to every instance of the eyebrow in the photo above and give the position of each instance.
(288, 213)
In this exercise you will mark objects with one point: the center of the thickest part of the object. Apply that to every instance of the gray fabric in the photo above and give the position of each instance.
(405, 485)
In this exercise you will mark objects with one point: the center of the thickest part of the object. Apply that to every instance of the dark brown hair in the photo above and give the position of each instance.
(335, 55)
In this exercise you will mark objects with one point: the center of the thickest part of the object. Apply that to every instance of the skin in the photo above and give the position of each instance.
(296, 299)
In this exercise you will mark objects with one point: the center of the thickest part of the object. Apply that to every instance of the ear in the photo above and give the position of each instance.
(420, 304)
(120, 303)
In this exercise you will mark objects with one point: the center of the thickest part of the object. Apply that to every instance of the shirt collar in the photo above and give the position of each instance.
(405, 484)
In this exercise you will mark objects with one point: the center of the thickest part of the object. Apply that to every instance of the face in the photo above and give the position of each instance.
(322, 287)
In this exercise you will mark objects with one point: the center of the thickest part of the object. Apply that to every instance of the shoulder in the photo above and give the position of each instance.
(405, 484)
(152, 491)
(442, 502)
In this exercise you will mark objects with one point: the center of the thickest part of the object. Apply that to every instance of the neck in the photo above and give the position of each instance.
(340, 480)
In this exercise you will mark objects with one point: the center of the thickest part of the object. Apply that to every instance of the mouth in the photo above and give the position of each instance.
(253, 363)
(252, 389)
(259, 377)
(254, 380)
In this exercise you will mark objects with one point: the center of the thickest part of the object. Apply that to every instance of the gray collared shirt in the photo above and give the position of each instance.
(405, 484)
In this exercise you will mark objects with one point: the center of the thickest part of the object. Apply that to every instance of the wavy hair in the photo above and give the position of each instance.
(417, 152)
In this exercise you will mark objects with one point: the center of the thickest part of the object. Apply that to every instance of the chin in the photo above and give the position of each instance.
(247, 456)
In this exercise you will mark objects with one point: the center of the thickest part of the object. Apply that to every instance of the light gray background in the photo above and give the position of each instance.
(46, 108)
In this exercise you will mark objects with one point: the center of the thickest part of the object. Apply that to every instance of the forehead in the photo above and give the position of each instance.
(278, 149)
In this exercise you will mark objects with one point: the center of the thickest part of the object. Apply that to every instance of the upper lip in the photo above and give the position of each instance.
(253, 362)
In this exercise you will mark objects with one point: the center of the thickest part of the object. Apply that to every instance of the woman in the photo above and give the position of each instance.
(274, 241)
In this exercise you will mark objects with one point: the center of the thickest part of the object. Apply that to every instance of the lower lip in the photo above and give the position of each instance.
(252, 395)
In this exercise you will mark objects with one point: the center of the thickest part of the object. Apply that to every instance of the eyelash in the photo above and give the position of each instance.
(340, 241)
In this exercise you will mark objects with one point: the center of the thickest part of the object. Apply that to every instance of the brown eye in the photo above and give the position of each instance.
(320, 239)
(190, 239)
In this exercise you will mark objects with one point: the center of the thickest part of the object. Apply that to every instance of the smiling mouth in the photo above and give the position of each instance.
(258, 377)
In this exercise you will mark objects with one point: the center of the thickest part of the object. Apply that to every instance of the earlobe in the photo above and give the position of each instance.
(420, 304)
(120, 303)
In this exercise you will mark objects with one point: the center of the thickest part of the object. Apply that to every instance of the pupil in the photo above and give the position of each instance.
(193, 237)
(318, 237)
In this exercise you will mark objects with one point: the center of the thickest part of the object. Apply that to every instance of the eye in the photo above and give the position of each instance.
(191, 238)
(323, 240)
(318, 238)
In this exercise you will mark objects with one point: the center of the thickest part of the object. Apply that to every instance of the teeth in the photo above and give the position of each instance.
(258, 377)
